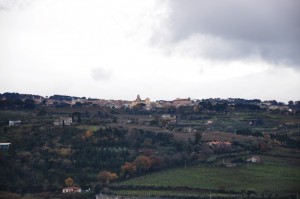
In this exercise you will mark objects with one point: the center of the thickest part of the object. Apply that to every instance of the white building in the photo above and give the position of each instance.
(14, 123)
(254, 159)
(67, 121)
(71, 190)
(4, 146)
(138, 101)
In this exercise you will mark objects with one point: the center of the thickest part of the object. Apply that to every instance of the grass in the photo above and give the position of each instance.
(240, 119)
(5, 115)
(152, 192)
(215, 135)
(273, 175)
(89, 127)
(167, 193)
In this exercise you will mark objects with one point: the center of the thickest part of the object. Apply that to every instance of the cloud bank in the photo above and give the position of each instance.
(235, 29)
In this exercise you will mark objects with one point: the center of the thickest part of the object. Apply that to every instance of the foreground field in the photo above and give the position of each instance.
(174, 193)
(273, 175)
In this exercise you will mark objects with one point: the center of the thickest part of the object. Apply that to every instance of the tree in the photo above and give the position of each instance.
(291, 103)
(157, 163)
(143, 163)
(78, 104)
(128, 170)
(64, 152)
(264, 146)
(198, 137)
(69, 182)
(42, 112)
(106, 177)
(97, 188)
(29, 104)
(88, 134)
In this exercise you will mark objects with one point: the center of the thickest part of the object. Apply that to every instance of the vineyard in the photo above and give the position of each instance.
(272, 175)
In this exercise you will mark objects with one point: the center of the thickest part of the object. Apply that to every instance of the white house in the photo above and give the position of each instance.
(254, 159)
(14, 123)
(167, 116)
(4, 146)
(63, 121)
(71, 190)
(209, 122)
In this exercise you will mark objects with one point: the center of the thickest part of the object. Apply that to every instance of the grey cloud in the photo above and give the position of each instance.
(99, 74)
(269, 29)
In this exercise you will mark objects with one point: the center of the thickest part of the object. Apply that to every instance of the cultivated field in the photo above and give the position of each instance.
(273, 174)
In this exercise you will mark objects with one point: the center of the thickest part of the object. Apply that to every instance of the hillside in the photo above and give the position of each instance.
(149, 153)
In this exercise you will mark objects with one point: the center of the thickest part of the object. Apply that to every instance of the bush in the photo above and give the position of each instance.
(7, 195)
(211, 159)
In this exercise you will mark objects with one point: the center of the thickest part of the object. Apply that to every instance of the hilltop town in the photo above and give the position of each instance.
(16, 100)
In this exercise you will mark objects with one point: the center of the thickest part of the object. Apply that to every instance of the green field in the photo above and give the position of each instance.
(240, 120)
(272, 175)
(89, 127)
(169, 193)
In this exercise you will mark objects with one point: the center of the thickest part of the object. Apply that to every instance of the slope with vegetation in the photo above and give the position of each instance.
(147, 155)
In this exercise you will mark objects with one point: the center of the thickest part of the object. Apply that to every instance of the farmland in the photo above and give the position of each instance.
(274, 175)
(152, 156)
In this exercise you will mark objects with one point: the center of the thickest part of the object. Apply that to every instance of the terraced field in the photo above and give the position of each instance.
(273, 174)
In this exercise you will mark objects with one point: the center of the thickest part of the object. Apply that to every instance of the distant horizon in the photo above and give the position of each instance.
(144, 97)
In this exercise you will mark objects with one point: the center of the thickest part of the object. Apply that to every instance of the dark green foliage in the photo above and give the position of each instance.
(244, 131)
(42, 156)
(198, 137)
(17, 104)
(242, 106)
(42, 112)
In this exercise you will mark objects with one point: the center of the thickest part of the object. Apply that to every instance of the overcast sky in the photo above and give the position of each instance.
(161, 49)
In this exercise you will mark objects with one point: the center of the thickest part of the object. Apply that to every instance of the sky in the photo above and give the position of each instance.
(161, 49)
